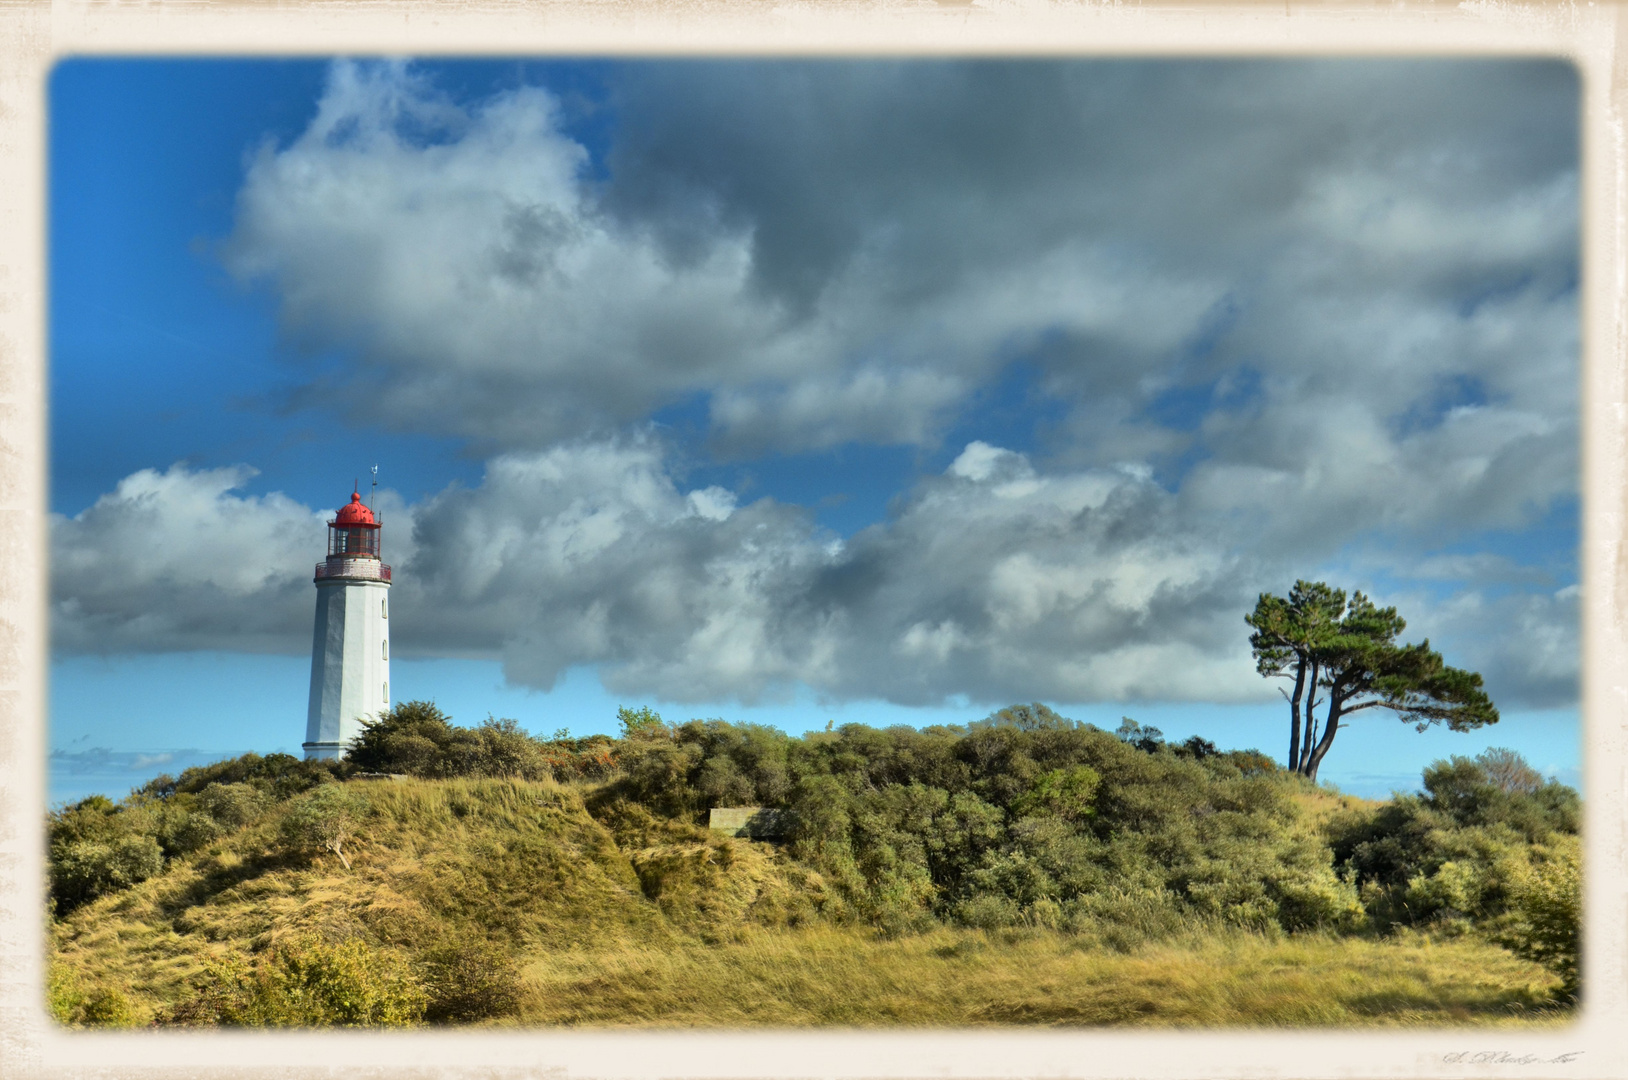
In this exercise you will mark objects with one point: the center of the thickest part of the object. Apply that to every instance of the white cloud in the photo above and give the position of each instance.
(993, 580)
(174, 560)
(1280, 310)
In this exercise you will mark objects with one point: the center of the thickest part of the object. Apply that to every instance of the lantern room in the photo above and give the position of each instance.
(353, 531)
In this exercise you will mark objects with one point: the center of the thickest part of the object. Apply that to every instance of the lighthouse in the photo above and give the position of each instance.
(350, 651)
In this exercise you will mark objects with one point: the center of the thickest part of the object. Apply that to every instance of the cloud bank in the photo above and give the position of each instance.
(990, 581)
(1279, 314)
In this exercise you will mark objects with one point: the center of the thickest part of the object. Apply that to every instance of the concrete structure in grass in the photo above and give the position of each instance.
(755, 822)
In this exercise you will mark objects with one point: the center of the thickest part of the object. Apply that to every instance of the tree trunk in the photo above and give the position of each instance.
(1311, 720)
(1294, 715)
(1329, 728)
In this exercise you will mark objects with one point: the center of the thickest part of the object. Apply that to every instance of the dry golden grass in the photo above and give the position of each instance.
(635, 921)
(823, 975)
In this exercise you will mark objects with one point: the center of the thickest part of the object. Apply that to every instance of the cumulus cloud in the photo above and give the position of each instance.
(992, 580)
(1279, 313)
(174, 560)
(827, 252)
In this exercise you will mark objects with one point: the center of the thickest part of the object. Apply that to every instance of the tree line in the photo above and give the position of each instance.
(1025, 818)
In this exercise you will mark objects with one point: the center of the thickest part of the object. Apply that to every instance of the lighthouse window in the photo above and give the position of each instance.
(386, 692)
(387, 650)
(384, 609)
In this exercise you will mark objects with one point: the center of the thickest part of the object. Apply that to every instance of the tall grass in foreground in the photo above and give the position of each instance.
(823, 975)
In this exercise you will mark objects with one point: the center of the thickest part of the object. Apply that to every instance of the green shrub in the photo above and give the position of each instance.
(72, 1006)
(1547, 909)
(305, 984)
(184, 830)
(325, 820)
(1065, 793)
(106, 1007)
(87, 869)
(1457, 856)
(417, 739)
(233, 806)
(1498, 787)
(640, 723)
(280, 776)
(986, 911)
(469, 981)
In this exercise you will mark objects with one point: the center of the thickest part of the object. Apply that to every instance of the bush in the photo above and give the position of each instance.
(106, 1008)
(1459, 855)
(1497, 787)
(656, 773)
(326, 819)
(233, 806)
(640, 723)
(1065, 793)
(305, 984)
(70, 1005)
(85, 870)
(470, 981)
(281, 776)
(184, 830)
(416, 738)
(1547, 909)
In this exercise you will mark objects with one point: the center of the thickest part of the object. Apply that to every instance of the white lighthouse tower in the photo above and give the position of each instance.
(350, 652)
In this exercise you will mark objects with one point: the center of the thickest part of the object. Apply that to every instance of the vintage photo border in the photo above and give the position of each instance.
(34, 34)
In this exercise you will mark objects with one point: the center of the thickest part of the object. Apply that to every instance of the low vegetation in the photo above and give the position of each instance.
(1022, 870)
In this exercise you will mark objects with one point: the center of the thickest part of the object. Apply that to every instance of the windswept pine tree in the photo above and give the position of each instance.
(1347, 651)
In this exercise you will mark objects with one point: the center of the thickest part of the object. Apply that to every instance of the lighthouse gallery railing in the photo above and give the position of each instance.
(370, 569)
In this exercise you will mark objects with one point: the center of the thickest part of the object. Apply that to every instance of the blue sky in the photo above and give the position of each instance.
(808, 392)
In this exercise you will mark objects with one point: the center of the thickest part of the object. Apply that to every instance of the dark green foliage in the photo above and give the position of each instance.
(98, 847)
(467, 981)
(1030, 818)
(1031, 717)
(418, 739)
(1478, 849)
(1196, 747)
(83, 870)
(1347, 652)
(1498, 788)
(324, 820)
(685, 769)
(1025, 819)
(232, 806)
(1145, 738)
(282, 776)
(1061, 793)
(658, 772)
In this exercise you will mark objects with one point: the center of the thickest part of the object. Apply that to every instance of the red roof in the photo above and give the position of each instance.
(355, 513)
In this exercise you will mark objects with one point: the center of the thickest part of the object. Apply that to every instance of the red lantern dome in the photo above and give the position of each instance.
(353, 544)
(355, 514)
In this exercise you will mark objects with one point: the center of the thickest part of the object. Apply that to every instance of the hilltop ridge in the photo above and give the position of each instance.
(1027, 871)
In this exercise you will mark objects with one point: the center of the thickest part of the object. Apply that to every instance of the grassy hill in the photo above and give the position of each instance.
(1122, 886)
